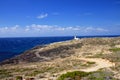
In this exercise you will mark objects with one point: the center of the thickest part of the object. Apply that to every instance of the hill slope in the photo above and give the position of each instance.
(87, 54)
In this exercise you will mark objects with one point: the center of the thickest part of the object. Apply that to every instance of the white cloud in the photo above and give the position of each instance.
(42, 15)
(9, 29)
(15, 27)
(92, 29)
(48, 30)
(35, 27)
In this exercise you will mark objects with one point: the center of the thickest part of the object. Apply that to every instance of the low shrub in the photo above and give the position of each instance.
(19, 78)
(73, 75)
(114, 49)
(5, 73)
(79, 75)
(90, 62)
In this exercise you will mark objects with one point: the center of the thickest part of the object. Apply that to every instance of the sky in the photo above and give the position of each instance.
(41, 18)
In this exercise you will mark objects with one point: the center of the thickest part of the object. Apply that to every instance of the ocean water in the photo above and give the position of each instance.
(10, 47)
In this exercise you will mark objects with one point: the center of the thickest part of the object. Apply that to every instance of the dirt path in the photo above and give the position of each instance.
(100, 63)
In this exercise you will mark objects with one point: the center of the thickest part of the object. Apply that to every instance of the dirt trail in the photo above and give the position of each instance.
(100, 63)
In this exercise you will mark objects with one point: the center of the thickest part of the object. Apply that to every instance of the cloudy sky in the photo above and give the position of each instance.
(36, 18)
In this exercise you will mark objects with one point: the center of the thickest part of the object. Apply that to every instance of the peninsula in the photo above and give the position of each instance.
(81, 59)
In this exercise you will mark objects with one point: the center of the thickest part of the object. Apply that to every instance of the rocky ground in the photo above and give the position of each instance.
(49, 62)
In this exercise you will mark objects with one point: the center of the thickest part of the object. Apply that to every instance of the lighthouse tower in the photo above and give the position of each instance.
(75, 38)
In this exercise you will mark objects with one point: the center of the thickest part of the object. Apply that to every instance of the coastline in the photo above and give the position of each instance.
(86, 54)
(22, 48)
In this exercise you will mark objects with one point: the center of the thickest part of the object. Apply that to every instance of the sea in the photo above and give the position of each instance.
(10, 47)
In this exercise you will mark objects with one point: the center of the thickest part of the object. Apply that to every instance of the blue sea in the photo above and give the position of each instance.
(10, 47)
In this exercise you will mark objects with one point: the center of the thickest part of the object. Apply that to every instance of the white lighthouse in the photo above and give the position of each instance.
(75, 38)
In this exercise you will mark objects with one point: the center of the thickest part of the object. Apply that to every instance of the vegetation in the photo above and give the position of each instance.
(114, 49)
(113, 57)
(39, 71)
(34, 73)
(19, 78)
(5, 73)
(73, 75)
(101, 75)
(65, 56)
(78, 75)
(90, 62)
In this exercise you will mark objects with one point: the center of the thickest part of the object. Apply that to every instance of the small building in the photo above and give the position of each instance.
(75, 38)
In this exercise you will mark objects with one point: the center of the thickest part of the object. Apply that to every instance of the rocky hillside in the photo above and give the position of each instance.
(48, 62)
(45, 53)
(63, 49)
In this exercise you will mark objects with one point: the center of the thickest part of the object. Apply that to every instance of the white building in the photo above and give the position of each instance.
(76, 38)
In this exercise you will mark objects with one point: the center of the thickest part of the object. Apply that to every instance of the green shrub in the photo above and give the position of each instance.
(79, 75)
(19, 78)
(5, 73)
(73, 75)
(114, 49)
(90, 62)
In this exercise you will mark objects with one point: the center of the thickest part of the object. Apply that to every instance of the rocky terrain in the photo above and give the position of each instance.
(92, 58)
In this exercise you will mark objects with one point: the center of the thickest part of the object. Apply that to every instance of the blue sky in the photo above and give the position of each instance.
(27, 18)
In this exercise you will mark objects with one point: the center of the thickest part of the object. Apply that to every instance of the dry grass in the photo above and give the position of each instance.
(63, 56)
